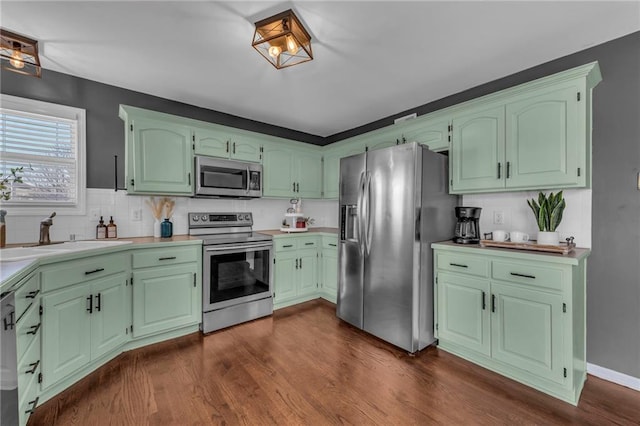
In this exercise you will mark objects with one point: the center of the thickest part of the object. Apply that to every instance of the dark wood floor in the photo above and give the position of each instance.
(304, 366)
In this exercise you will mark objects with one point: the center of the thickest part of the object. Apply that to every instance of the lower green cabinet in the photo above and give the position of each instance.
(519, 314)
(329, 269)
(81, 323)
(165, 298)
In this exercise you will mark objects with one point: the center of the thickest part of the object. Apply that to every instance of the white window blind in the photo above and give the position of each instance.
(44, 139)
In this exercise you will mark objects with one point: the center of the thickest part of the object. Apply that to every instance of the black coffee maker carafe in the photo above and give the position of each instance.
(468, 225)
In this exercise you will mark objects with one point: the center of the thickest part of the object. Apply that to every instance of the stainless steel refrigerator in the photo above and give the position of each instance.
(394, 203)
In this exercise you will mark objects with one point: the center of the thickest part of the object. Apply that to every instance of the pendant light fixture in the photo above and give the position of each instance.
(282, 40)
(19, 54)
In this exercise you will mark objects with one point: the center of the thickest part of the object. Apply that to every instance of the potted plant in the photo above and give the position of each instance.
(548, 213)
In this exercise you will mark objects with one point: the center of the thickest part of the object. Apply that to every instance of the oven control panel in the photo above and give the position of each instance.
(220, 219)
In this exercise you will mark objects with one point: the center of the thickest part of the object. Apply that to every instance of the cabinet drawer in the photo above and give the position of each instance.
(330, 242)
(284, 244)
(166, 256)
(525, 273)
(28, 327)
(27, 294)
(29, 365)
(307, 242)
(463, 264)
(28, 399)
(75, 271)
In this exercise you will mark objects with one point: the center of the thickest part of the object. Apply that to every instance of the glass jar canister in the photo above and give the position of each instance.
(166, 229)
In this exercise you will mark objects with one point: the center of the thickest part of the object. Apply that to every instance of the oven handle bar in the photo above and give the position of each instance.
(238, 247)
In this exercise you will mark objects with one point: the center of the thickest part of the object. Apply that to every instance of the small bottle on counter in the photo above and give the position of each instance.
(112, 229)
(101, 230)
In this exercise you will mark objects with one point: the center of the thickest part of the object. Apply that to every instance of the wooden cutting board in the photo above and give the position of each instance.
(563, 248)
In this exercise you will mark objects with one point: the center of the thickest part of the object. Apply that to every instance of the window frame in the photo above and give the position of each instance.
(64, 112)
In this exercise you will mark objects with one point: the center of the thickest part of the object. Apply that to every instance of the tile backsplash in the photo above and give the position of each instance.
(576, 221)
(267, 214)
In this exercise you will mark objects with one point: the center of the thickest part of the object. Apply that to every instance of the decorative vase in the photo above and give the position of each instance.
(549, 238)
(156, 229)
(166, 229)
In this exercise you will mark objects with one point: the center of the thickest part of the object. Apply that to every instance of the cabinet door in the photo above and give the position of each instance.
(433, 133)
(543, 134)
(527, 330)
(284, 276)
(162, 158)
(463, 312)
(383, 140)
(331, 165)
(477, 151)
(308, 174)
(109, 320)
(278, 172)
(164, 298)
(66, 334)
(307, 272)
(330, 273)
(245, 149)
(211, 143)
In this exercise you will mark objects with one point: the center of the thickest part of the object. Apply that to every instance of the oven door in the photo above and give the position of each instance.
(236, 274)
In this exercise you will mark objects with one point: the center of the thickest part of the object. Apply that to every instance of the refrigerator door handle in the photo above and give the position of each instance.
(367, 223)
(360, 211)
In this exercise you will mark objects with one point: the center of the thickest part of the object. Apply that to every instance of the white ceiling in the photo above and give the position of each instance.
(372, 59)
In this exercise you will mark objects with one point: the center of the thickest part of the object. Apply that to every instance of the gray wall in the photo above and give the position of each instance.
(105, 131)
(613, 293)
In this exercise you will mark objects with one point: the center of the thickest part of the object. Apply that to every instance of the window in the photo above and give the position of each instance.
(48, 141)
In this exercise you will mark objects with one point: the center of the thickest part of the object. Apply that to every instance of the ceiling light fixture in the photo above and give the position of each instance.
(19, 54)
(282, 40)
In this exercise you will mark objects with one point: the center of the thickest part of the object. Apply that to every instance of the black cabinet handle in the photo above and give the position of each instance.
(332, 245)
(32, 294)
(98, 305)
(94, 271)
(34, 329)
(234, 147)
(227, 146)
(287, 245)
(499, 170)
(188, 178)
(34, 404)
(294, 187)
(309, 244)
(508, 169)
(493, 303)
(515, 274)
(297, 187)
(34, 367)
(296, 263)
(90, 308)
(300, 263)
(484, 302)
(167, 258)
(458, 265)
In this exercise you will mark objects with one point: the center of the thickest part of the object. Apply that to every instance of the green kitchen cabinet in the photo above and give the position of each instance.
(331, 164)
(295, 269)
(165, 298)
(383, 139)
(222, 142)
(430, 131)
(81, 323)
(159, 153)
(533, 136)
(516, 313)
(329, 269)
(291, 172)
(477, 150)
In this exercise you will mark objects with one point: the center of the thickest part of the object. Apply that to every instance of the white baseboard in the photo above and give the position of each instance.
(614, 376)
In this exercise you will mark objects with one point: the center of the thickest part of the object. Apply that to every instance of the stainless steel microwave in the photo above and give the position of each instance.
(217, 177)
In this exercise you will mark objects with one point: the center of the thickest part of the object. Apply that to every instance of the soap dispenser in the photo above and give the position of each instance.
(101, 230)
(112, 229)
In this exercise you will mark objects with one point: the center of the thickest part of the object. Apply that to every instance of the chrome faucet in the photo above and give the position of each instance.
(44, 230)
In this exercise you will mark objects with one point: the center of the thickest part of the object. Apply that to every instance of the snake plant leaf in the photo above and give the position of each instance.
(548, 210)
(556, 216)
(542, 216)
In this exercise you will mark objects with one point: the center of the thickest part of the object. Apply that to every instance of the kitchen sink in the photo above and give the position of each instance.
(21, 253)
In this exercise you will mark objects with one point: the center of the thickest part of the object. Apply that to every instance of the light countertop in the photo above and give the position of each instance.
(324, 230)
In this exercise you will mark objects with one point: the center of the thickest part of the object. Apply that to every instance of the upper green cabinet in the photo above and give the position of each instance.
(432, 130)
(159, 155)
(290, 171)
(226, 144)
(533, 136)
(331, 163)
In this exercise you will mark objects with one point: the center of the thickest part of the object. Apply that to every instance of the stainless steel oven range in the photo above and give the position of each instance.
(236, 269)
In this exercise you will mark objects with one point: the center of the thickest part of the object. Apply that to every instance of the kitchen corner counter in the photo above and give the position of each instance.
(319, 230)
(572, 258)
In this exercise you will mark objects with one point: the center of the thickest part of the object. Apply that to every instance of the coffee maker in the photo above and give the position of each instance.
(468, 225)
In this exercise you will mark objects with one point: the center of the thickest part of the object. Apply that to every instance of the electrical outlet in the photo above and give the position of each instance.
(94, 214)
(498, 217)
(136, 215)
